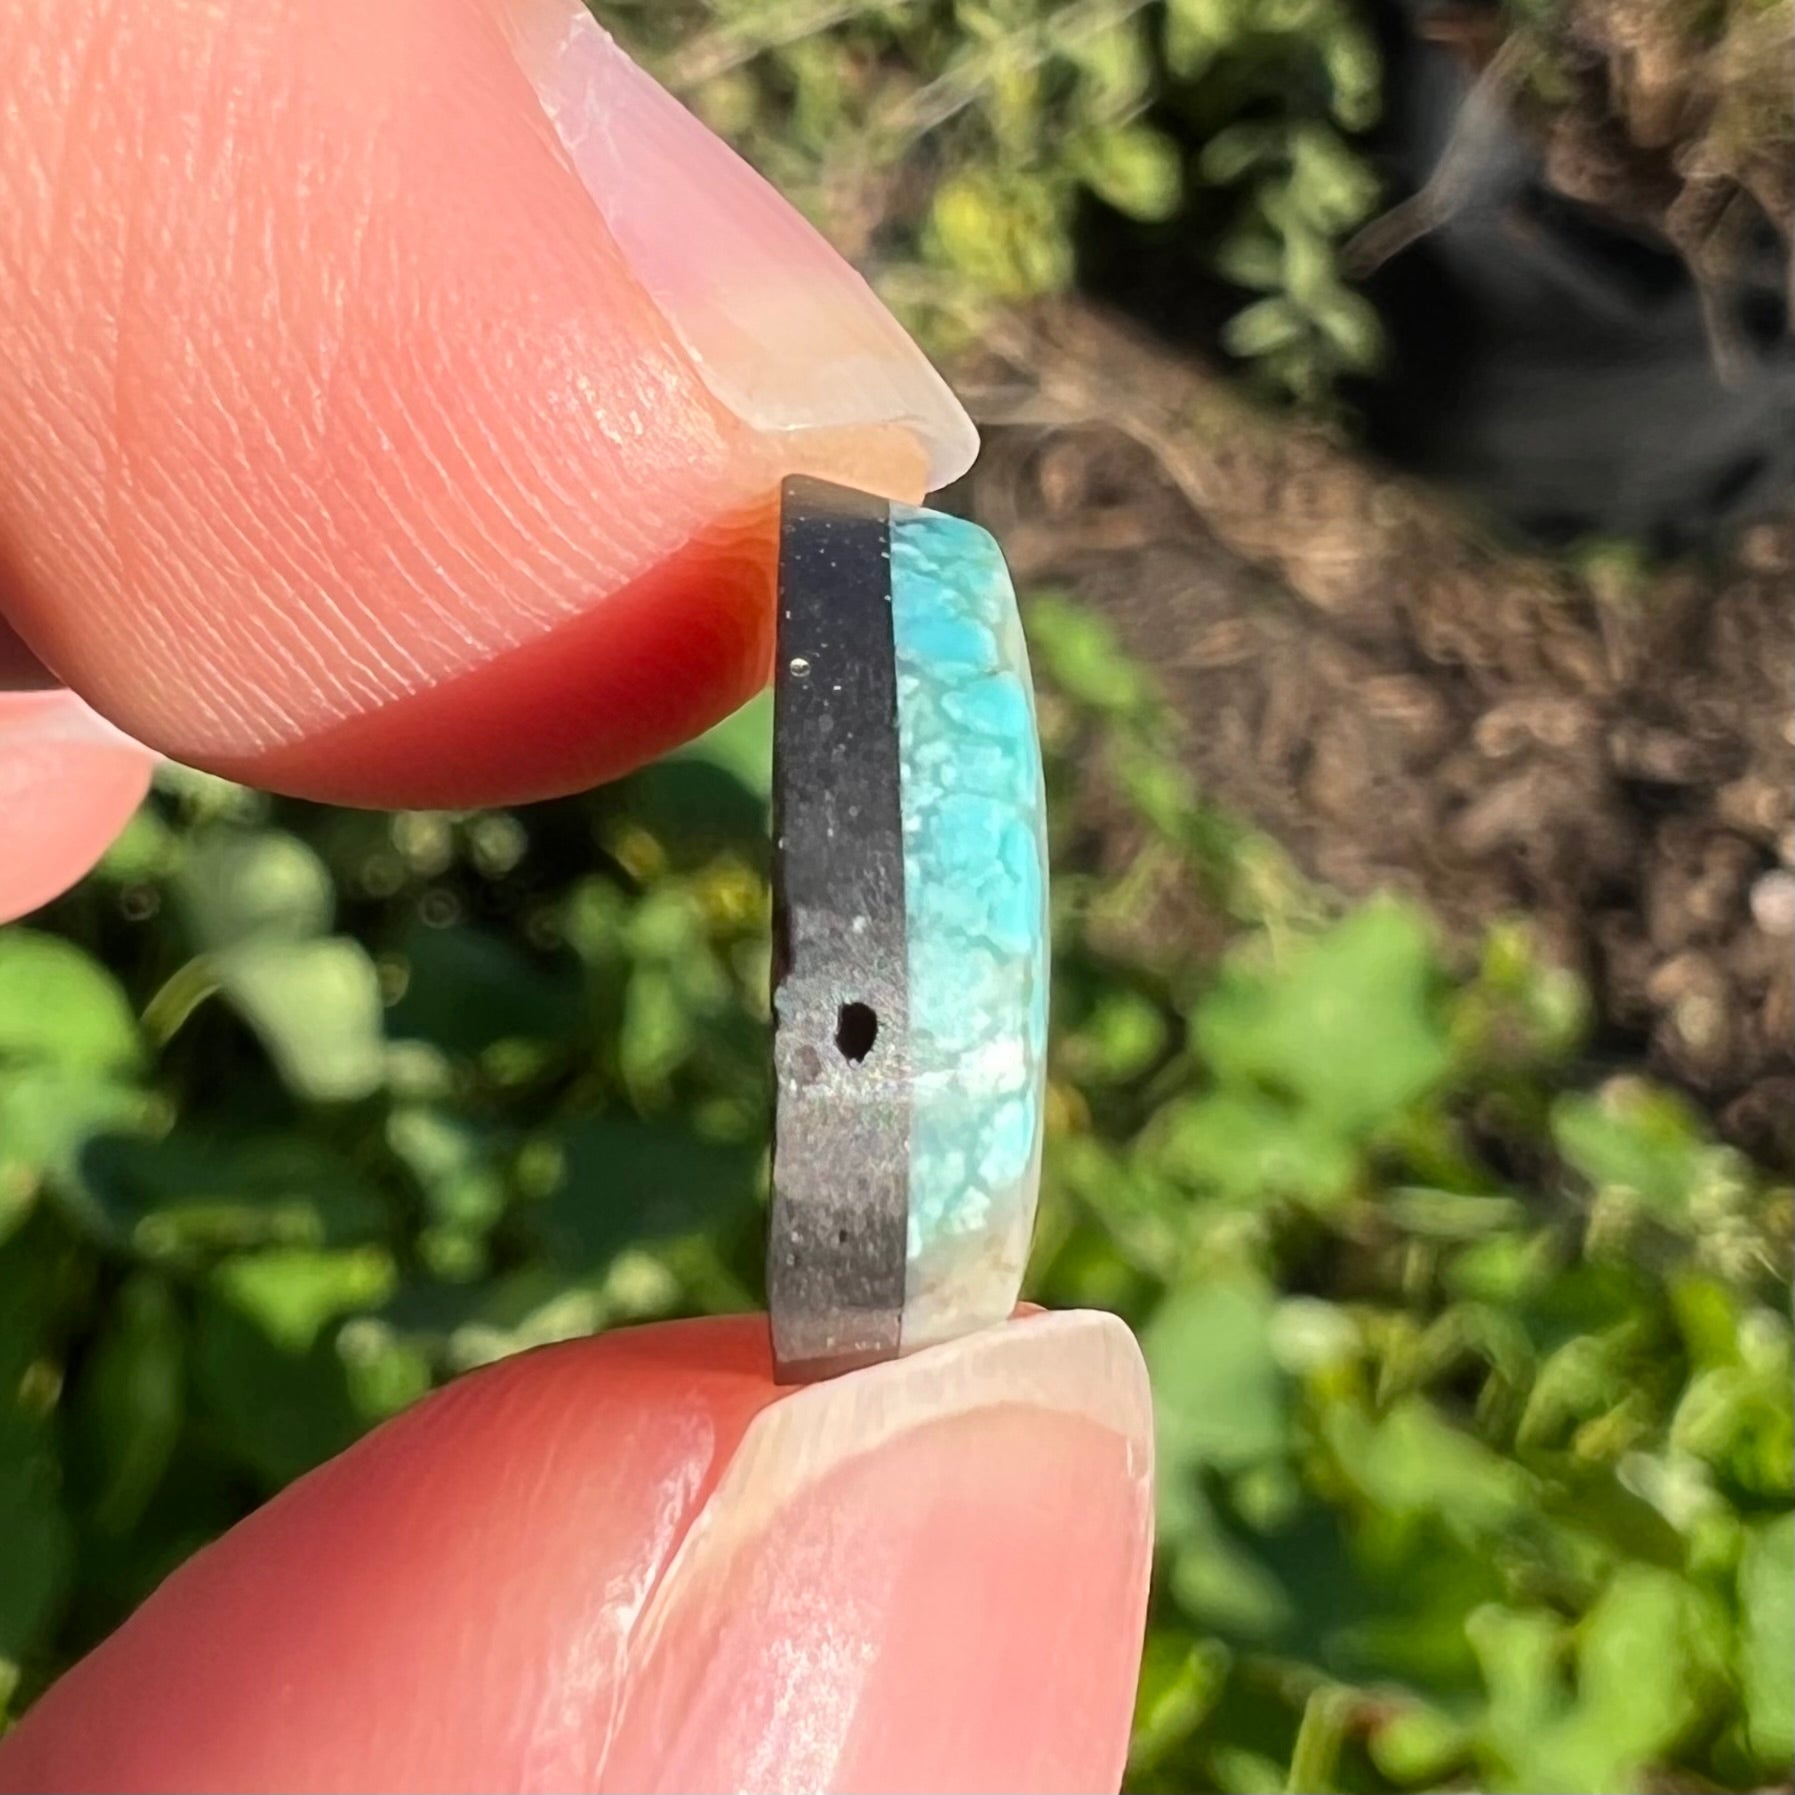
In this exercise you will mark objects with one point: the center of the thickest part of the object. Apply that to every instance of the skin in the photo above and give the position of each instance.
(396, 398)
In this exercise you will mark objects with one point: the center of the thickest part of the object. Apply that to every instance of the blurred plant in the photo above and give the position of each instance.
(1474, 1387)
(952, 145)
(1474, 1390)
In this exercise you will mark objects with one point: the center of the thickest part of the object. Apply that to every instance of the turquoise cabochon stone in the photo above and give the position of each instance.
(975, 898)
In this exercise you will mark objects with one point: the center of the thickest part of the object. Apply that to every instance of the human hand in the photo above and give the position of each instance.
(396, 400)
(634, 1563)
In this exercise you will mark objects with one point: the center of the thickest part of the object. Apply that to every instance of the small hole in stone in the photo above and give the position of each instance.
(841, 1237)
(856, 1029)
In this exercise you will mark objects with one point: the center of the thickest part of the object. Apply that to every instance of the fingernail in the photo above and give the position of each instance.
(781, 329)
(931, 1574)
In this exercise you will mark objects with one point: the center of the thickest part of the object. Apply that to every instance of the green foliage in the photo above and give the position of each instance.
(1474, 1391)
(1473, 1385)
(961, 145)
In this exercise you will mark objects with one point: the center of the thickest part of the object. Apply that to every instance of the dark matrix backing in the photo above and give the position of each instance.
(841, 1133)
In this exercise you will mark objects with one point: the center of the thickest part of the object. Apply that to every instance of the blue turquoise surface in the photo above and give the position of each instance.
(975, 897)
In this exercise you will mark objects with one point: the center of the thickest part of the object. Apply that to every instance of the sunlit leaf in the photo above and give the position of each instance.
(242, 885)
(1243, 1146)
(1347, 1023)
(316, 1006)
(1134, 168)
(1767, 1605)
(59, 1008)
(1634, 1138)
(1219, 1396)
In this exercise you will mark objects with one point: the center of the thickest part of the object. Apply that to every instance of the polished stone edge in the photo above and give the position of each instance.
(969, 758)
(837, 1243)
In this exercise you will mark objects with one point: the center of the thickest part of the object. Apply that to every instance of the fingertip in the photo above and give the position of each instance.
(446, 1605)
(645, 668)
(420, 480)
(69, 782)
(927, 1575)
(786, 335)
(634, 1562)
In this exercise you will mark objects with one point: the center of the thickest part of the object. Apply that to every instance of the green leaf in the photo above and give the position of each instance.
(146, 848)
(1348, 1024)
(206, 1192)
(1219, 1397)
(1309, 276)
(1650, 1658)
(1418, 1746)
(316, 1006)
(50, 1123)
(61, 1009)
(1218, 1581)
(467, 990)
(712, 793)
(1265, 325)
(1115, 69)
(245, 885)
(129, 1402)
(276, 1411)
(1411, 1462)
(1242, 1772)
(1076, 649)
(1352, 325)
(1121, 1037)
(269, 1362)
(455, 1163)
(659, 1030)
(1521, 1653)
(1181, 1681)
(35, 1541)
(1648, 1670)
(1007, 233)
(1315, 1758)
(1251, 258)
(1217, 23)
(1237, 150)
(292, 1294)
(1635, 1139)
(45, 1278)
(382, 1371)
(1767, 1610)
(1738, 1416)
(1245, 1147)
(1134, 168)
(1329, 183)
(1349, 54)
(625, 1181)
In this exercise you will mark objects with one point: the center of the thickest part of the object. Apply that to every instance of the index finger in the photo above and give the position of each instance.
(398, 394)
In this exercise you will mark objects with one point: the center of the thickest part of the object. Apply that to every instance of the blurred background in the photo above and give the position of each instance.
(1387, 410)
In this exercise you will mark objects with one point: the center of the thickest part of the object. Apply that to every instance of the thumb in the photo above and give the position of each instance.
(397, 394)
(634, 1563)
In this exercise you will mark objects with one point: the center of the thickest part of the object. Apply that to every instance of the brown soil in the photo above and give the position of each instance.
(1668, 120)
(1676, 119)
(1406, 703)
